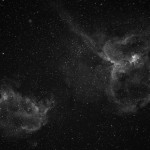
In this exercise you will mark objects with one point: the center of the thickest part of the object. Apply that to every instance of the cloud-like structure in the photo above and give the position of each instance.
(129, 81)
(22, 114)
(114, 66)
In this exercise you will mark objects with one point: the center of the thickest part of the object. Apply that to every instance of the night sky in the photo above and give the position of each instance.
(54, 47)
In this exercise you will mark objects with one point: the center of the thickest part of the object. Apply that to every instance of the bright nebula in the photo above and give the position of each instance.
(109, 68)
(22, 114)
(129, 82)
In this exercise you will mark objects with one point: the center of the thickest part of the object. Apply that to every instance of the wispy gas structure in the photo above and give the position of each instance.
(22, 114)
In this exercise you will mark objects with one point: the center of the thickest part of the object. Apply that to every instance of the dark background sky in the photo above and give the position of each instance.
(31, 45)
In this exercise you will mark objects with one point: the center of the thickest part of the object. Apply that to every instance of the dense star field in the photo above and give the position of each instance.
(74, 75)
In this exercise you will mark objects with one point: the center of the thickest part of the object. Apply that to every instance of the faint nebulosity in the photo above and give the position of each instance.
(74, 74)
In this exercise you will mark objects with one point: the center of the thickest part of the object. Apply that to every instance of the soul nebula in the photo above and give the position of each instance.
(21, 114)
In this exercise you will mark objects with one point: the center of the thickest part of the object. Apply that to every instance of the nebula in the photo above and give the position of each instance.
(129, 81)
(113, 69)
(22, 114)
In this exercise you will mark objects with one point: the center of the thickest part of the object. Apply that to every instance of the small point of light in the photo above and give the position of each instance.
(30, 21)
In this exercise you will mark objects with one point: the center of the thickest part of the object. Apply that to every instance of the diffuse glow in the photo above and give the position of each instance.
(31, 115)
